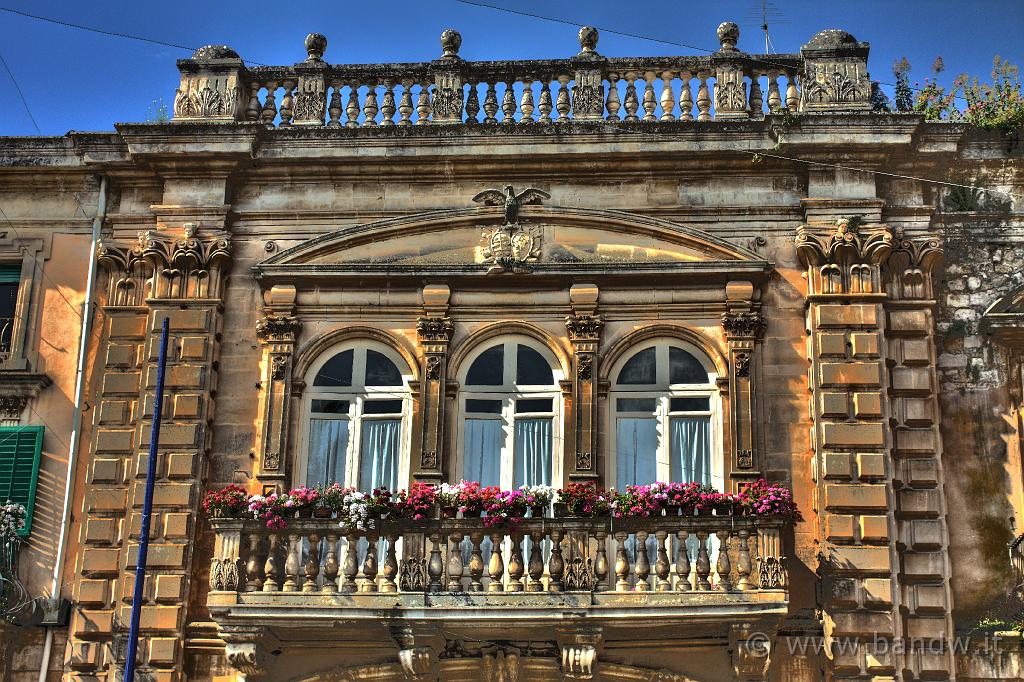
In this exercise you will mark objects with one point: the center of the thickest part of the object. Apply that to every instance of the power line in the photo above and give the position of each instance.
(21, 95)
(39, 265)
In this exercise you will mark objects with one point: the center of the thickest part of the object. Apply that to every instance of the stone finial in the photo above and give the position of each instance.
(728, 35)
(208, 52)
(316, 45)
(451, 41)
(588, 39)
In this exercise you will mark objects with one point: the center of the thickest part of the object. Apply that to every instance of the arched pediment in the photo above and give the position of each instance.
(455, 238)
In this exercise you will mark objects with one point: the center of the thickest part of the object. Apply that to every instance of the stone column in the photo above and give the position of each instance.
(434, 330)
(276, 333)
(159, 276)
(584, 327)
(743, 329)
(917, 449)
(854, 494)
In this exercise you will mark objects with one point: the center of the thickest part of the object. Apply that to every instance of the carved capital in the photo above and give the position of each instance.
(584, 327)
(849, 240)
(434, 329)
(744, 324)
(910, 266)
(278, 329)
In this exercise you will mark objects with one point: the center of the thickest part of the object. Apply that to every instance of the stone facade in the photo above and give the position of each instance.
(860, 335)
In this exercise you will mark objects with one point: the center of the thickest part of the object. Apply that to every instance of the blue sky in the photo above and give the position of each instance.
(74, 80)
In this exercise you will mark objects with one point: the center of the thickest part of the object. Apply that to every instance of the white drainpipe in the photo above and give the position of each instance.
(76, 417)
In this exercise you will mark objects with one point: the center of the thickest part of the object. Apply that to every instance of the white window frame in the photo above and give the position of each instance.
(663, 392)
(357, 394)
(508, 393)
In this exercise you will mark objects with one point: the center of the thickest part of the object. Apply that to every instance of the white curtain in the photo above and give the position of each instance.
(482, 451)
(532, 452)
(378, 456)
(328, 443)
(636, 451)
(690, 449)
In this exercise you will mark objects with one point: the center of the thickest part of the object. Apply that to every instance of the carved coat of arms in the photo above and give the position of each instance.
(511, 247)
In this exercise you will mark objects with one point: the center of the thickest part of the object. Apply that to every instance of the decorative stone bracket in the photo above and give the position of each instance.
(277, 335)
(584, 328)
(418, 651)
(750, 648)
(249, 650)
(580, 648)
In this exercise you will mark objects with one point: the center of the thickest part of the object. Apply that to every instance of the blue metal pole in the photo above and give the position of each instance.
(147, 511)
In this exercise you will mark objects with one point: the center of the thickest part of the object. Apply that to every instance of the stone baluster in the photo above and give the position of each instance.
(792, 96)
(756, 101)
(661, 565)
(490, 104)
(350, 568)
(291, 564)
(622, 568)
(405, 107)
(536, 564)
(650, 103)
(685, 97)
(311, 569)
(703, 562)
(496, 565)
(272, 569)
(370, 565)
(390, 569)
(743, 564)
(703, 98)
(682, 563)
(556, 564)
(352, 107)
(370, 107)
(455, 567)
(544, 106)
(269, 112)
(526, 101)
(515, 564)
(472, 103)
(254, 567)
(601, 562)
(562, 104)
(668, 98)
(334, 109)
(423, 104)
(287, 104)
(643, 564)
(612, 103)
(632, 104)
(508, 103)
(331, 564)
(252, 111)
(387, 107)
(774, 98)
(724, 568)
(435, 566)
(476, 562)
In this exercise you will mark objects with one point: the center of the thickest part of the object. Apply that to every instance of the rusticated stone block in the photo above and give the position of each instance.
(862, 559)
(187, 406)
(930, 598)
(870, 465)
(874, 528)
(93, 623)
(909, 321)
(110, 440)
(127, 326)
(162, 651)
(104, 499)
(923, 565)
(93, 592)
(838, 435)
(83, 655)
(915, 441)
(925, 534)
(877, 591)
(917, 379)
(879, 661)
(857, 496)
(861, 623)
(106, 470)
(193, 348)
(915, 351)
(918, 502)
(867, 405)
(169, 587)
(173, 435)
(153, 617)
(855, 315)
(180, 465)
(121, 382)
(918, 411)
(851, 373)
(837, 465)
(924, 628)
(922, 472)
(832, 344)
(165, 494)
(101, 560)
(176, 524)
(99, 530)
(160, 556)
(190, 319)
(864, 344)
(834, 404)
(839, 527)
(114, 412)
(178, 376)
(121, 355)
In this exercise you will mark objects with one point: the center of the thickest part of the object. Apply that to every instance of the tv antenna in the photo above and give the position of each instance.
(767, 11)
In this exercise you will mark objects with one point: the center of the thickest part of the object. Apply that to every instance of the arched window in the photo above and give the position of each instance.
(509, 405)
(665, 414)
(357, 403)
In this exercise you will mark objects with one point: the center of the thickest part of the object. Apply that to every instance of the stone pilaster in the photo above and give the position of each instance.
(584, 327)
(175, 275)
(434, 330)
(922, 535)
(277, 334)
(743, 327)
(854, 495)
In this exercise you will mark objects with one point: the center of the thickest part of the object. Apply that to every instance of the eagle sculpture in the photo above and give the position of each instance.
(510, 200)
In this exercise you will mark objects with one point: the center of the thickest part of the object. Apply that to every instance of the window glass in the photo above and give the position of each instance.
(10, 279)
(483, 406)
(531, 368)
(532, 452)
(328, 445)
(702, 404)
(482, 451)
(382, 407)
(330, 406)
(488, 369)
(640, 369)
(380, 371)
(337, 371)
(534, 405)
(689, 438)
(636, 451)
(378, 454)
(683, 368)
(636, 404)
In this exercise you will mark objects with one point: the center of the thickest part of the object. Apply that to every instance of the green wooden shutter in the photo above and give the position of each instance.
(10, 274)
(20, 449)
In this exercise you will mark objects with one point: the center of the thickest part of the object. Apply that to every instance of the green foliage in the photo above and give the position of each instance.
(975, 198)
(904, 95)
(932, 100)
(157, 112)
(999, 106)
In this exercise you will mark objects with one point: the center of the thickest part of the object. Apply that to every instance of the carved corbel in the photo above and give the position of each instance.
(845, 257)
(750, 649)
(434, 332)
(584, 328)
(277, 334)
(418, 651)
(579, 651)
(248, 650)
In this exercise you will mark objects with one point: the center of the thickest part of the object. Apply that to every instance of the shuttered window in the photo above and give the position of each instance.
(20, 448)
